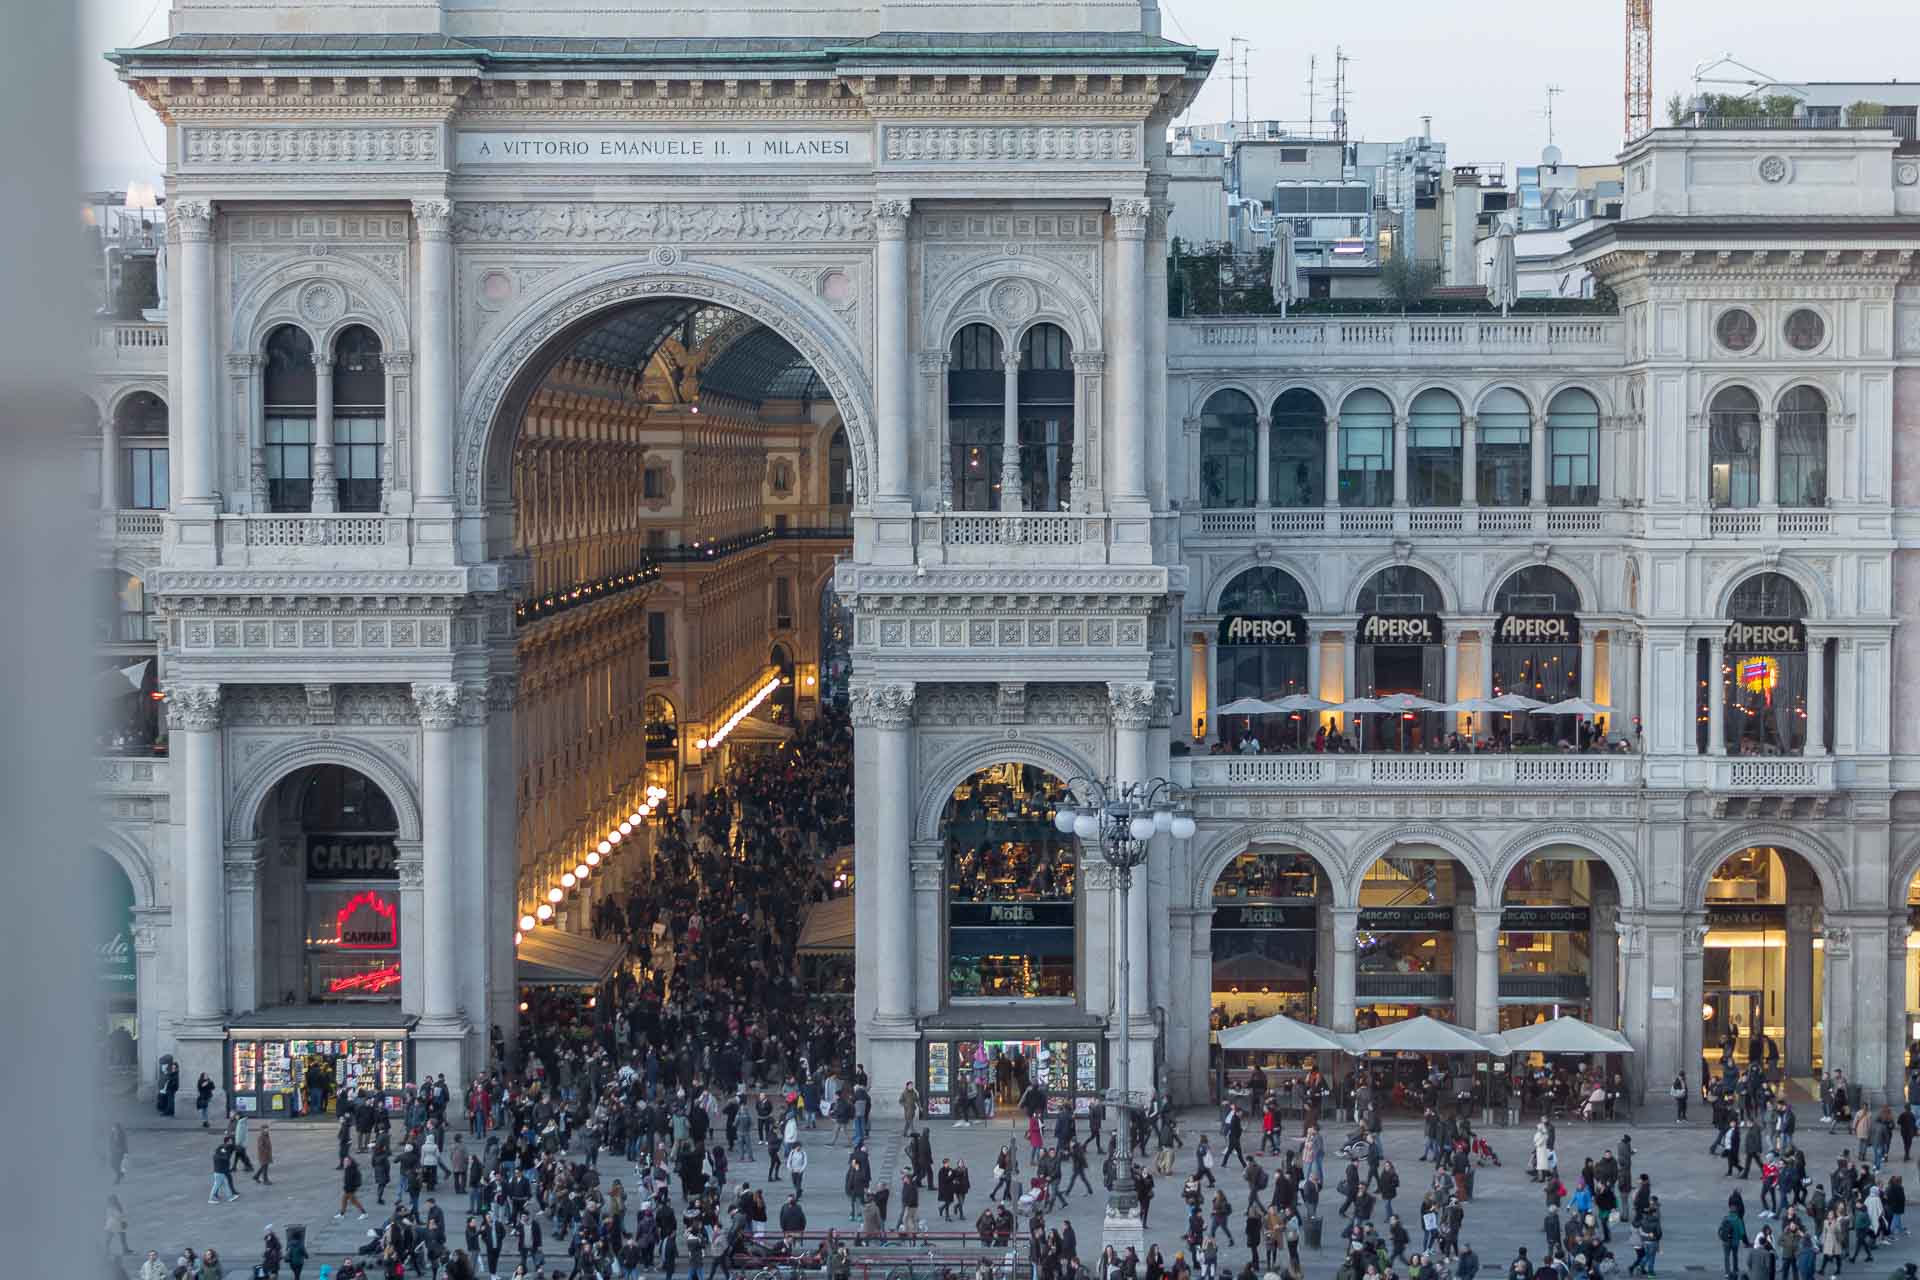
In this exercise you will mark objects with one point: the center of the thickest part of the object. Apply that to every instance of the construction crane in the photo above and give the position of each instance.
(1639, 68)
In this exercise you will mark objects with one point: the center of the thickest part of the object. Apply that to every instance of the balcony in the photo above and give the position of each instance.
(130, 348)
(293, 540)
(982, 537)
(1748, 523)
(1383, 339)
(1313, 771)
(1420, 522)
(133, 529)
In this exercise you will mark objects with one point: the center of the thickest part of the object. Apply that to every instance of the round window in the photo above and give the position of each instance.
(1805, 330)
(1736, 329)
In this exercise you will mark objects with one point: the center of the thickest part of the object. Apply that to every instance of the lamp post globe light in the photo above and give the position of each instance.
(1121, 819)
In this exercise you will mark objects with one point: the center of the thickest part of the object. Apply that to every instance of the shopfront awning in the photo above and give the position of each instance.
(551, 958)
(1565, 1035)
(828, 929)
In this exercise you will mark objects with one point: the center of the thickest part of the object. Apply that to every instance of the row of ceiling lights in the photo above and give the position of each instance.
(570, 880)
(733, 721)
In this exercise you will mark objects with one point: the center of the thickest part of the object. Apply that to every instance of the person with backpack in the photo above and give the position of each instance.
(1733, 1234)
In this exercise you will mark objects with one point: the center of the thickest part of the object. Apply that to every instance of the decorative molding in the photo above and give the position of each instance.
(320, 704)
(416, 145)
(190, 219)
(890, 218)
(433, 218)
(1042, 144)
(439, 705)
(475, 703)
(1013, 701)
(193, 707)
(883, 706)
(843, 222)
(1131, 703)
(1131, 217)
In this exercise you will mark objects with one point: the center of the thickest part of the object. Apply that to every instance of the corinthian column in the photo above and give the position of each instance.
(193, 717)
(893, 375)
(433, 221)
(191, 223)
(883, 745)
(439, 708)
(1129, 348)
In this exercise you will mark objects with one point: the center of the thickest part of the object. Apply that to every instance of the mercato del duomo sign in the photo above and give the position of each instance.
(719, 148)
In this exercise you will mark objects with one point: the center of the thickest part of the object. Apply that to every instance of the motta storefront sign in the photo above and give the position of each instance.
(1303, 917)
(1249, 628)
(1399, 628)
(1767, 637)
(1536, 628)
(346, 858)
(1011, 915)
(1546, 919)
(630, 148)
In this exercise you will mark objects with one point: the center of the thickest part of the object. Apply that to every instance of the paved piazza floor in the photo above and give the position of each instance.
(166, 1189)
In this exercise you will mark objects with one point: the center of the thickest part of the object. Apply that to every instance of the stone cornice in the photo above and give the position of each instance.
(302, 94)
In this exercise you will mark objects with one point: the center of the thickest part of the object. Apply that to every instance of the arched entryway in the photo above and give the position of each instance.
(108, 889)
(1559, 952)
(1762, 967)
(1408, 959)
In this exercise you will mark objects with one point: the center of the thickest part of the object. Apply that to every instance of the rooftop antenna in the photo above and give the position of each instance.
(1339, 116)
(1313, 64)
(1238, 49)
(1553, 91)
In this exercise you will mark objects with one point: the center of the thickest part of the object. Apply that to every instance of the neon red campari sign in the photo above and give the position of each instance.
(368, 922)
(373, 980)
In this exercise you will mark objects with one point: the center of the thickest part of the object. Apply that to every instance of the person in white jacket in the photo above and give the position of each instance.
(797, 1169)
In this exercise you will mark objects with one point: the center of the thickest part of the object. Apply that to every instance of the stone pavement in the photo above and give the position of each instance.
(165, 1192)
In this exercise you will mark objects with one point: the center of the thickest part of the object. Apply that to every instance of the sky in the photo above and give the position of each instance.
(1480, 68)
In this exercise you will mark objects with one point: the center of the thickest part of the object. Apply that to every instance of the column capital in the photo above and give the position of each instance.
(1130, 703)
(433, 219)
(890, 217)
(242, 363)
(396, 361)
(1093, 362)
(1131, 216)
(1632, 935)
(322, 364)
(883, 706)
(190, 219)
(438, 705)
(1346, 922)
(933, 363)
(194, 707)
(1486, 928)
(1838, 942)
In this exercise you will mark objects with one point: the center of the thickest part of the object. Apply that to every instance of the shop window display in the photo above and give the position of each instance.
(1265, 937)
(1011, 877)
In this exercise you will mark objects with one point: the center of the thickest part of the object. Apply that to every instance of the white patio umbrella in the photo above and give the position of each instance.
(1575, 707)
(1285, 272)
(1295, 702)
(1362, 706)
(1565, 1035)
(1515, 702)
(1503, 289)
(1281, 1034)
(1474, 707)
(1247, 707)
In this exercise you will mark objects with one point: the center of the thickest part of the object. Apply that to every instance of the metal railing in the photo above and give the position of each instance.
(1436, 521)
(1899, 126)
(1332, 336)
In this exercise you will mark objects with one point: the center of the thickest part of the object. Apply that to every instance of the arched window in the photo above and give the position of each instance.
(1433, 450)
(1503, 450)
(1297, 450)
(1265, 929)
(128, 617)
(1771, 596)
(287, 434)
(1366, 450)
(1400, 588)
(353, 928)
(1264, 590)
(839, 471)
(1763, 678)
(1538, 588)
(1003, 850)
(359, 417)
(1046, 419)
(663, 726)
(1733, 449)
(1265, 667)
(340, 800)
(1536, 645)
(1229, 451)
(1803, 448)
(976, 417)
(140, 424)
(1573, 450)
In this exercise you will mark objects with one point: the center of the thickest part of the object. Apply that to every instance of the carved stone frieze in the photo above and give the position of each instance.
(1043, 144)
(968, 705)
(655, 223)
(1013, 702)
(402, 145)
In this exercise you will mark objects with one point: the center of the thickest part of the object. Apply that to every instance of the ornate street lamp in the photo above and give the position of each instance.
(1123, 818)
